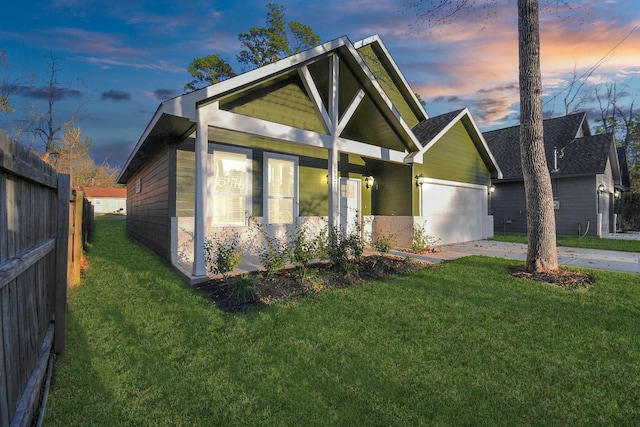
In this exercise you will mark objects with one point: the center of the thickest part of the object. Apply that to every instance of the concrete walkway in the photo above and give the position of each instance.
(628, 262)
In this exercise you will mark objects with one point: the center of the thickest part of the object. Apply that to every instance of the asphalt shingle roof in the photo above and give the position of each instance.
(577, 155)
(428, 129)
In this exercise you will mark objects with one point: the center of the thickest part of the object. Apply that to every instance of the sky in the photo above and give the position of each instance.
(116, 60)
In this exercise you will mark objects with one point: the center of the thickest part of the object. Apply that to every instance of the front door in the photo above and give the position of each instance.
(349, 205)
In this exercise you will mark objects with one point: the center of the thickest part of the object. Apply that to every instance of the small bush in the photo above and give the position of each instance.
(273, 252)
(341, 249)
(383, 242)
(304, 247)
(242, 287)
(223, 254)
(423, 242)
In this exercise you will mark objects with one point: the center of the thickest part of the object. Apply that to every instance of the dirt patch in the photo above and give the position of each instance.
(252, 290)
(564, 278)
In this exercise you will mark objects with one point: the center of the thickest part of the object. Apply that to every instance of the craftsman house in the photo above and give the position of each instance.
(585, 175)
(332, 134)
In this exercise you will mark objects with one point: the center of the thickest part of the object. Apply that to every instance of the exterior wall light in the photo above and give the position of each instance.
(420, 179)
(492, 189)
(368, 181)
(601, 188)
(617, 194)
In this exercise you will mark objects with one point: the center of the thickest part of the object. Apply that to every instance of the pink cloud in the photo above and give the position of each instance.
(88, 42)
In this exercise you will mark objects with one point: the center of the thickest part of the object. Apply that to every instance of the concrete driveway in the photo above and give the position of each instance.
(628, 262)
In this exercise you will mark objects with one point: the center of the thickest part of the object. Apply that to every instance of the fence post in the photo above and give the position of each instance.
(62, 255)
(77, 236)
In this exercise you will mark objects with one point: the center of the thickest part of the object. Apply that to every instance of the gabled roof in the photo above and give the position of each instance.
(430, 131)
(175, 118)
(566, 138)
(624, 169)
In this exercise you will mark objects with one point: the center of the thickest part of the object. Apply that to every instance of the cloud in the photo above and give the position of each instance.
(159, 65)
(89, 42)
(447, 99)
(164, 94)
(44, 92)
(115, 95)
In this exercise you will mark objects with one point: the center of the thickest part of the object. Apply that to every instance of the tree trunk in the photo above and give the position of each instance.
(542, 254)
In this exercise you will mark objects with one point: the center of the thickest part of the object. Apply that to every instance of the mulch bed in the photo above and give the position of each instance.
(254, 290)
(231, 296)
(564, 278)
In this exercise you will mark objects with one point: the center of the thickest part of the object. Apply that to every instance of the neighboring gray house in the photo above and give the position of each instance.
(585, 176)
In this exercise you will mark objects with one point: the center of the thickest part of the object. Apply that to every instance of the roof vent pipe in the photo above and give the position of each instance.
(555, 161)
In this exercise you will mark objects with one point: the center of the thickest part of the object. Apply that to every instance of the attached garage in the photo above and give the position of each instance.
(454, 211)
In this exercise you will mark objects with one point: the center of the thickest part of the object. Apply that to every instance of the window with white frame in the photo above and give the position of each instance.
(229, 186)
(280, 188)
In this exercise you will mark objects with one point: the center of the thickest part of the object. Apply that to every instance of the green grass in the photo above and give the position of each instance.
(461, 343)
(588, 242)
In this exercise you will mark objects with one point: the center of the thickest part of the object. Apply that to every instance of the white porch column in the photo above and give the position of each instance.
(334, 182)
(202, 145)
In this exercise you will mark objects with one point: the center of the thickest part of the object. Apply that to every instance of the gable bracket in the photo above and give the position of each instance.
(346, 116)
(316, 99)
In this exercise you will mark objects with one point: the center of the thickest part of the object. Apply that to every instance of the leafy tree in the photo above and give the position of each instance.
(70, 155)
(261, 46)
(542, 254)
(207, 71)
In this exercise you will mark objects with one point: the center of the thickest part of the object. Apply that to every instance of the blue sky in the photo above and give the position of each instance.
(120, 59)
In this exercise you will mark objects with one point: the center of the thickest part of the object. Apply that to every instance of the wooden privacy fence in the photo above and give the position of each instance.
(34, 275)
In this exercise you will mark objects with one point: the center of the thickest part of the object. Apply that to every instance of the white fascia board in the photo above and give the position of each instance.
(615, 163)
(385, 99)
(377, 40)
(143, 137)
(463, 114)
(482, 141)
(184, 105)
(238, 123)
(446, 129)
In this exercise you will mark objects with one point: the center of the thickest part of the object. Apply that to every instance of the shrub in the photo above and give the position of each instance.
(304, 247)
(223, 254)
(423, 242)
(383, 242)
(273, 252)
(341, 249)
(242, 287)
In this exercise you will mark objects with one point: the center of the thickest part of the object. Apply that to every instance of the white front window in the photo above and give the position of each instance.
(229, 185)
(281, 188)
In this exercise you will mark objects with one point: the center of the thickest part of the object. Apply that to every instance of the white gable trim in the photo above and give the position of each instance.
(463, 114)
(378, 41)
(385, 99)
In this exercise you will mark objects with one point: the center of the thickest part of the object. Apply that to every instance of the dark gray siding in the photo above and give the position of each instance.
(148, 219)
(509, 208)
(576, 198)
(578, 210)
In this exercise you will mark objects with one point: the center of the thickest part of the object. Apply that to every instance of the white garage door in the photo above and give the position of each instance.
(454, 212)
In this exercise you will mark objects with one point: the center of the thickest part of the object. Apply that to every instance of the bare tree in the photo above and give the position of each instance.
(541, 230)
(44, 126)
(8, 86)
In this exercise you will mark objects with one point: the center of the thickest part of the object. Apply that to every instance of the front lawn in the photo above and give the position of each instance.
(588, 242)
(462, 343)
